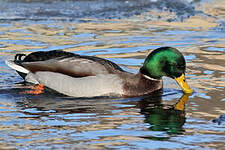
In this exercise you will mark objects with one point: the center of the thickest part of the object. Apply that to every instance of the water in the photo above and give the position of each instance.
(124, 33)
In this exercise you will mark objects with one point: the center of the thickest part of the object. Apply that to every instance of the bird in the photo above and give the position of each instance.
(89, 76)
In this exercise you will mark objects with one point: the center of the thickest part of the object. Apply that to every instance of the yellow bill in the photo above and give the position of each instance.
(183, 84)
(181, 103)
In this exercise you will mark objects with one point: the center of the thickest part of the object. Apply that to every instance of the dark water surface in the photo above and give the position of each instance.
(124, 32)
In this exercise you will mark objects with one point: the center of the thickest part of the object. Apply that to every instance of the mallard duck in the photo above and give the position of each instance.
(88, 76)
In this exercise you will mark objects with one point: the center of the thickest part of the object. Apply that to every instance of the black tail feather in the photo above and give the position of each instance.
(18, 57)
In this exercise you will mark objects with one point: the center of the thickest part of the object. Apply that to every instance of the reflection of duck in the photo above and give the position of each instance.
(88, 76)
(165, 118)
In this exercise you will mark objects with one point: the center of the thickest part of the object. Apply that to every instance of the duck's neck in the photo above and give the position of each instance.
(139, 84)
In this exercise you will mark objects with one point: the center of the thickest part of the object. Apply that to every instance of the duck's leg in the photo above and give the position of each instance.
(36, 90)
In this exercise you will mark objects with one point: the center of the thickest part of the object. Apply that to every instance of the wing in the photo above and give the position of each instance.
(76, 66)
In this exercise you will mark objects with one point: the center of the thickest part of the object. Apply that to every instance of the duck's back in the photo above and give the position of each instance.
(66, 63)
(44, 55)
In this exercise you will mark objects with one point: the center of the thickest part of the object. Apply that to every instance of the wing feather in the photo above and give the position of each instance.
(72, 66)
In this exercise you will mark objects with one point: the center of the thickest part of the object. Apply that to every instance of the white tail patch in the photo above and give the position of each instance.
(16, 67)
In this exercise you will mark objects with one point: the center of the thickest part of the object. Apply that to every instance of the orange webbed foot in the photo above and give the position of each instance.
(36, 90)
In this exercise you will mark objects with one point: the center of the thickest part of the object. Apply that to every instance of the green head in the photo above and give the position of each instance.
(166, 61)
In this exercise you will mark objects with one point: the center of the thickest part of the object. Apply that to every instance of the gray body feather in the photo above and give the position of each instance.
(99, 85)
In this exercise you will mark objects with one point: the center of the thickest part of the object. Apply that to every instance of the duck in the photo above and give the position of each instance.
(89, 76)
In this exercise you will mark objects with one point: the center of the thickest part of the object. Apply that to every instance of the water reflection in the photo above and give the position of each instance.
(168, 118)
(161, 117)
